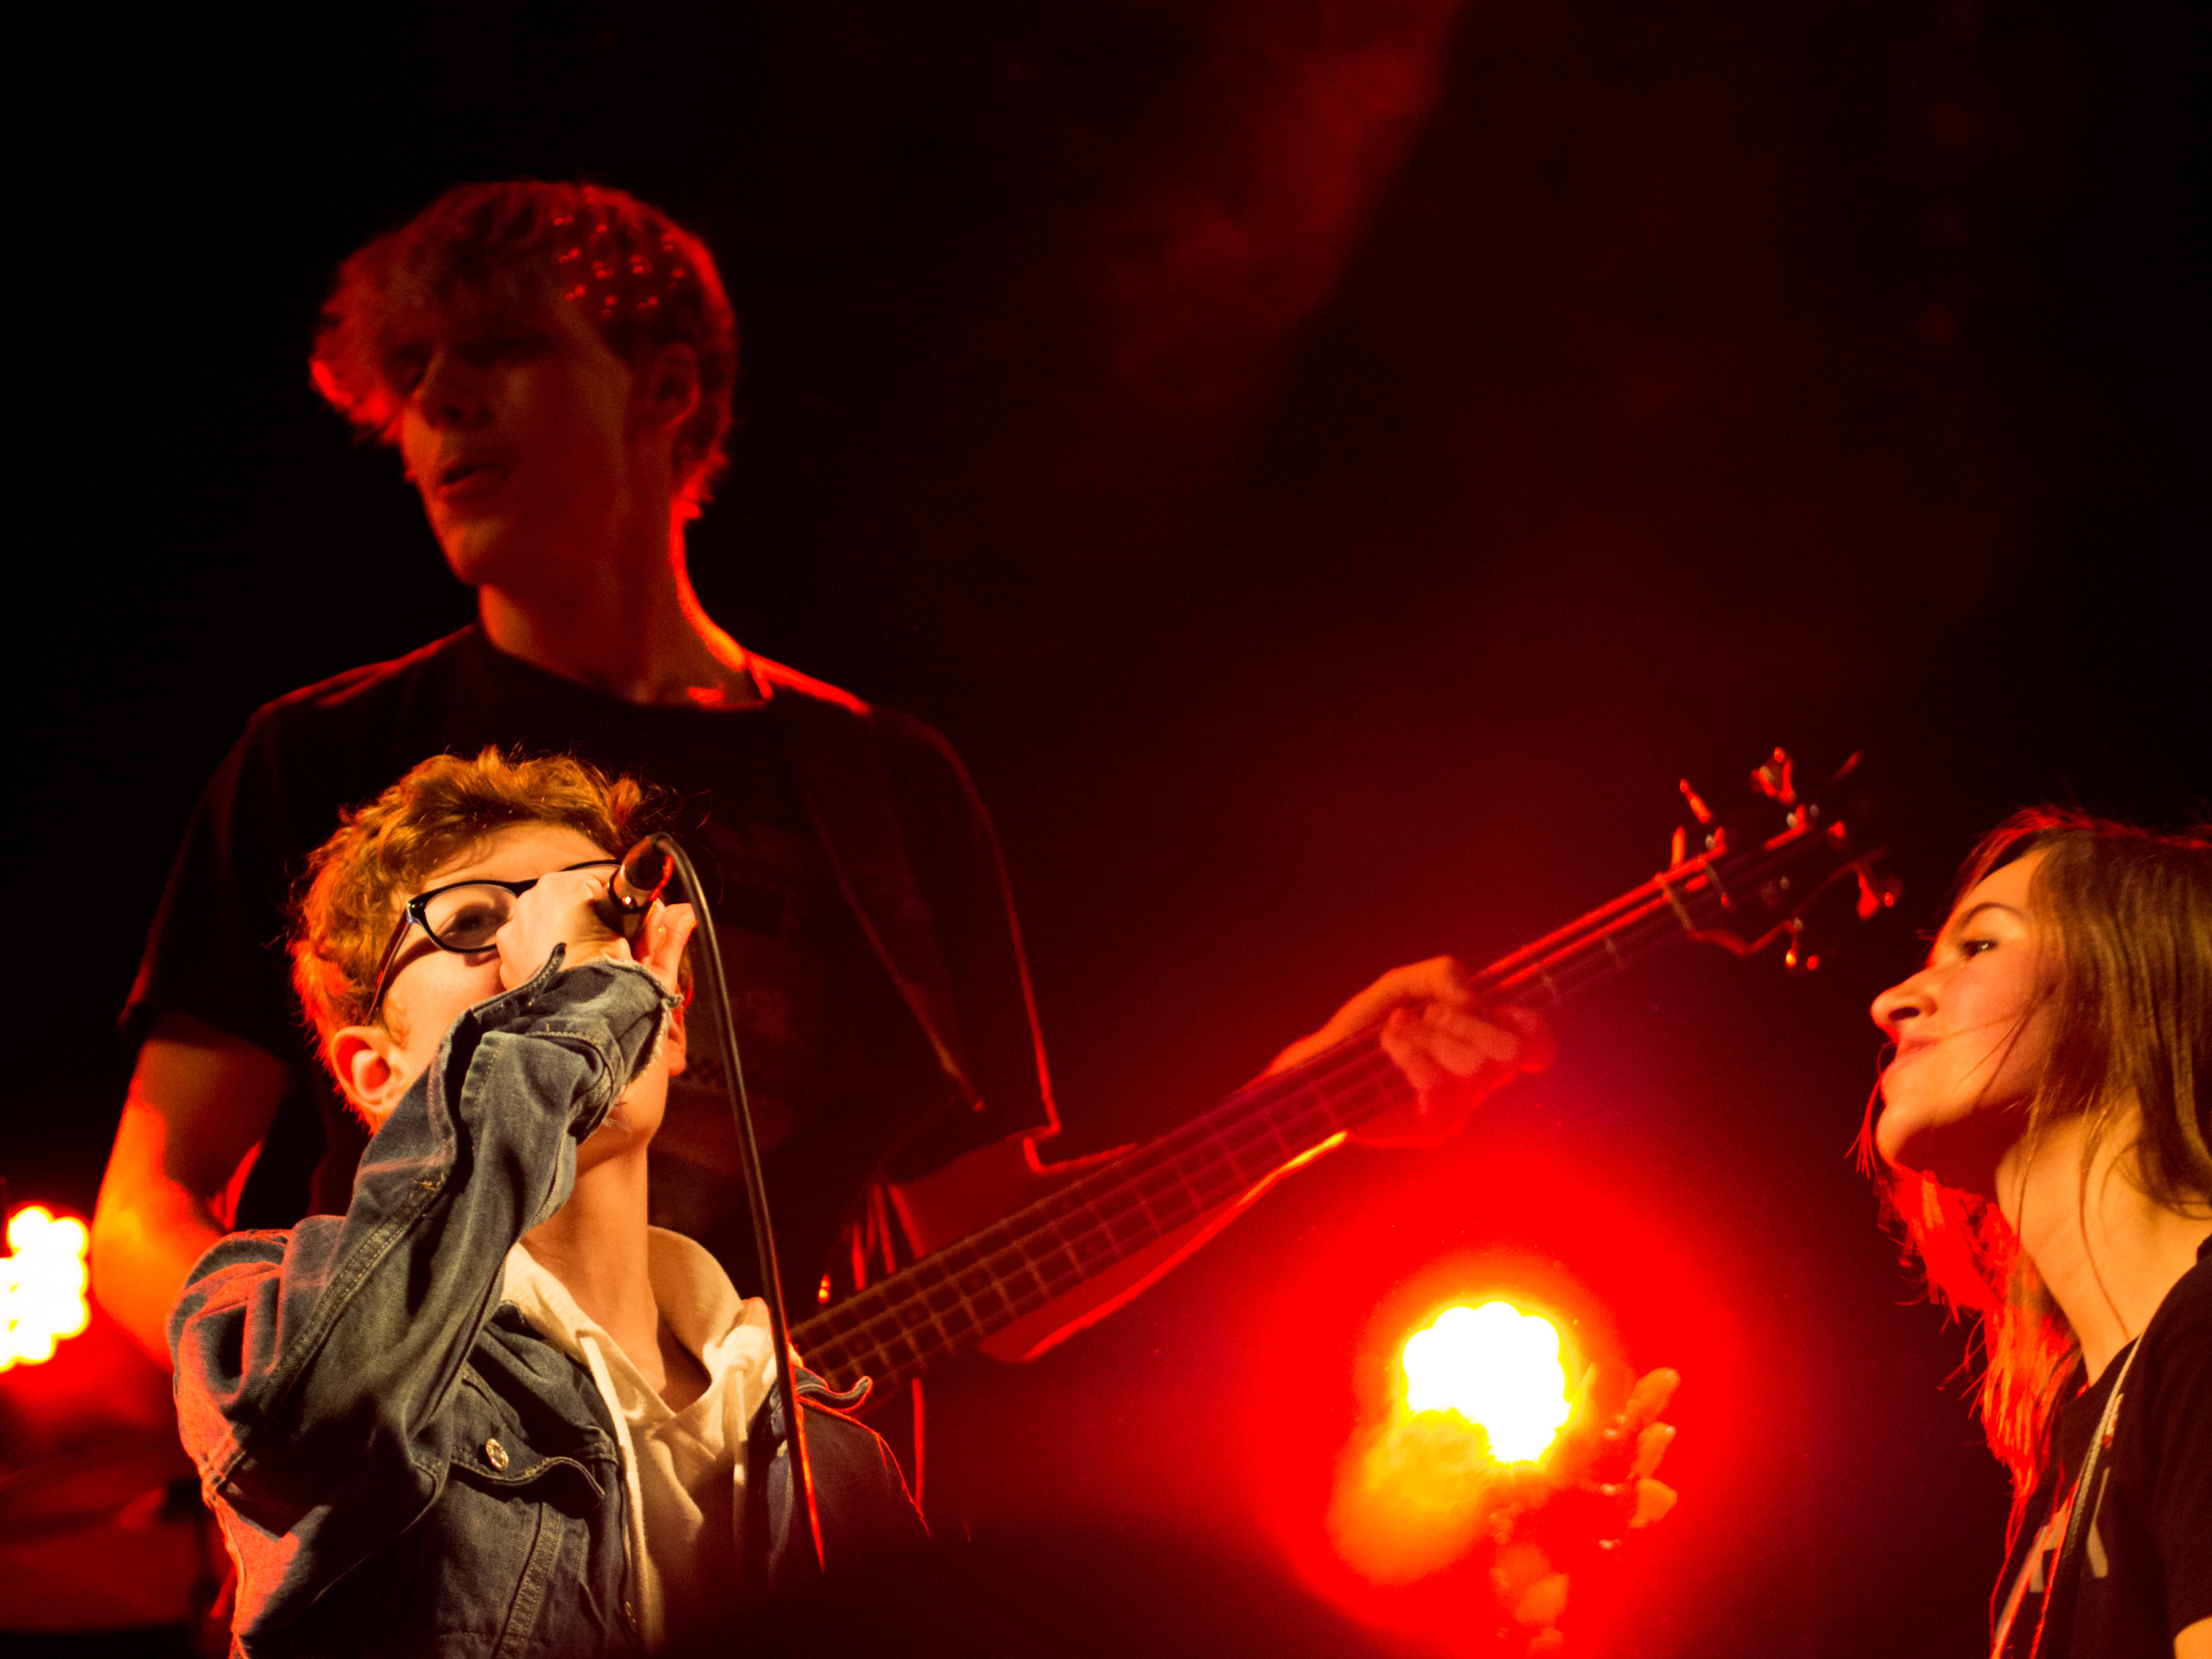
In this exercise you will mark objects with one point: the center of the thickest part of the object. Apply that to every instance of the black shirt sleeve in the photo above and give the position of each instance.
(215, 950)
(956, 859)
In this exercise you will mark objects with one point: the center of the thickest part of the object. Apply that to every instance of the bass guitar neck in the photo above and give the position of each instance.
(903, 1325)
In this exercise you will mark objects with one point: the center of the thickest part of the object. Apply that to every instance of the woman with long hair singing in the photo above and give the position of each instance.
(2043, 1133)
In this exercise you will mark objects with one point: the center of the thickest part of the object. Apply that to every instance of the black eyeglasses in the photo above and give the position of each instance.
(463, 918)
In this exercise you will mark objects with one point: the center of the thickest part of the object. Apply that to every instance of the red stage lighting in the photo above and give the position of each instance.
(1436, 1542)
(42, 1283)
(1478, 1395)
(1495, 1367)
(100, 1522)
(1498, 1451)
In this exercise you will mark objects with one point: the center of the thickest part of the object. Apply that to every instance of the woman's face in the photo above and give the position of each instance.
(1973, 1033)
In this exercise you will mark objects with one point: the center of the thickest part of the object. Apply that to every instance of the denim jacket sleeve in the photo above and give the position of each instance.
(313, 1365)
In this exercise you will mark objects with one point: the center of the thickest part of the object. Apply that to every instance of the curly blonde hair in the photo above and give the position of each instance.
(358, 882)
(639, 277)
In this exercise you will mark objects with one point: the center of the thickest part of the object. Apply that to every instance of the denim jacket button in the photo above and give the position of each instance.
(495, 1454)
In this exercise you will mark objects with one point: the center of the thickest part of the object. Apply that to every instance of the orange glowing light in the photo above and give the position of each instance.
(42, 1281)
(1496, 1366)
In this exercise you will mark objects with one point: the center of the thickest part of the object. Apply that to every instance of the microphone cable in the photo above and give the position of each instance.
(637, 883)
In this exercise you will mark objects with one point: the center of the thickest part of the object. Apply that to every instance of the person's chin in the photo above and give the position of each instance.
(628, 1127)
(475, 548)
(1960, 1153)
(1894, 1138)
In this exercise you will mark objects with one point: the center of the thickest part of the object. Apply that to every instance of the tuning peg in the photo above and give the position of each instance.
(1678, 853)
(1773, 779)
(1798, 959)
(1876, 893)
(1699, 809)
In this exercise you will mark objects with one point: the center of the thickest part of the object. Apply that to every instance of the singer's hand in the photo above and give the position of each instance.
(558, 910)
(662, 939)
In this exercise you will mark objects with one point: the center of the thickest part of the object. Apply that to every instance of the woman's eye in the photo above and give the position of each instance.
(1975, 947)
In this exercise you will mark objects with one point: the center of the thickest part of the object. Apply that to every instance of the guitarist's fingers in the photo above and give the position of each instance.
(1440, 980)
(1469, 1041)
(1414, 1050)
(1538, 1048)
(1452, 1060)
(1451, 1043)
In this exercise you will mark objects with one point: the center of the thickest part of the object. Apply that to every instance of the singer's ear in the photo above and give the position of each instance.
(365, 1060)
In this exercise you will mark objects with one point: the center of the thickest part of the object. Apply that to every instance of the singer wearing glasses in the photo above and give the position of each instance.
(490, 1405)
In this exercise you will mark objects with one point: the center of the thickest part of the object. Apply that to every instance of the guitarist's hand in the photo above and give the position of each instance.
(1452, 1049)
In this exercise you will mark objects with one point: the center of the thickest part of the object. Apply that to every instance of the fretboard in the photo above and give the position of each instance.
(902, 1325)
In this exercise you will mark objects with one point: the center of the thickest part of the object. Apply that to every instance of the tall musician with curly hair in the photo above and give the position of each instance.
(554, 363)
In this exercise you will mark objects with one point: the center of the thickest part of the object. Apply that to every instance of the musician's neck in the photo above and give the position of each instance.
(596, 1245)
(632, 627)
(2106, 1250)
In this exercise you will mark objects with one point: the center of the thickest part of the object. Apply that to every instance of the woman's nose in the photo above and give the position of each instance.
(1907, 1000)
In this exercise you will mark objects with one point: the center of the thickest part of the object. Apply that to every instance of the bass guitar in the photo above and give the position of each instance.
(1742, 897)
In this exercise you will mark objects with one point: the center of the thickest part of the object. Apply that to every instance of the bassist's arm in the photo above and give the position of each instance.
(199, 1100)
(1451, 1051)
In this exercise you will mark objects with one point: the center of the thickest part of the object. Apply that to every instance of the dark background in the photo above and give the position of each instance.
(1330, 468)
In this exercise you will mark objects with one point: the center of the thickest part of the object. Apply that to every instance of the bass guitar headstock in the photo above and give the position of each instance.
(1767, 866)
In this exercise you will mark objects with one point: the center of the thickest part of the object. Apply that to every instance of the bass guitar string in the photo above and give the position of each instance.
(902, 1324)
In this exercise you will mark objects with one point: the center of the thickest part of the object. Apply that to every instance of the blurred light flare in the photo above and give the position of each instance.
(42, 1284)
(1478, 1397)
(1496, 1367)
(1574, 1231)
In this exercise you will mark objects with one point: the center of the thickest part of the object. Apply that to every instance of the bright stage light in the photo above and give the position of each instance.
(1496, 1366)
(1484, 1398)
(42, 1280)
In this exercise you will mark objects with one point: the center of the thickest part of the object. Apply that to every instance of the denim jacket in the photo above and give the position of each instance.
(400, 1463)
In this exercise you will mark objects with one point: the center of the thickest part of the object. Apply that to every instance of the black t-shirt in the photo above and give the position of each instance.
(2145, 1573)
(845, 1081)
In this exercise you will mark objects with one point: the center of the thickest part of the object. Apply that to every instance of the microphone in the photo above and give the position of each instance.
(636, 881)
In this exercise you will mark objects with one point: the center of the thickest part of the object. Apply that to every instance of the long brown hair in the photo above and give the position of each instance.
(2126, 915)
